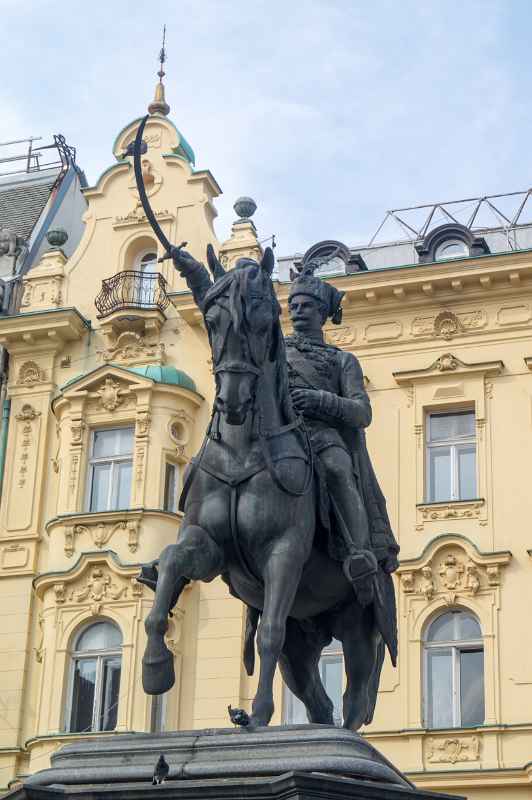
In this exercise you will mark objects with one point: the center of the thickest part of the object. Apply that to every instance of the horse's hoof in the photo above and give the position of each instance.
(158, 675)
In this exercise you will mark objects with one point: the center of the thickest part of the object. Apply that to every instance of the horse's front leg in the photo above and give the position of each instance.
(281, 575)
(196, 556)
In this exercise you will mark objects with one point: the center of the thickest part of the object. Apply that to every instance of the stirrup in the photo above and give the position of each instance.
(358, 567)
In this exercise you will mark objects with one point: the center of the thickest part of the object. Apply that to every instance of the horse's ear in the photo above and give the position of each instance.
(268, 260)
(214, 265)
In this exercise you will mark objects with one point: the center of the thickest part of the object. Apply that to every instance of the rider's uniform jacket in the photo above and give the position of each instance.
(339, 421)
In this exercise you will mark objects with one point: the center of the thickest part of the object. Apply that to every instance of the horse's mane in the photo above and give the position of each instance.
(234, 285)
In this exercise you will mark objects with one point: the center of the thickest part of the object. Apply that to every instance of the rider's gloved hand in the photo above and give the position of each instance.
(390, 563)
(306, 401)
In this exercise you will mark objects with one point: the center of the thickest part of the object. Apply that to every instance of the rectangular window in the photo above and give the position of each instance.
(171, 486)
(110, 469)
(451, 456)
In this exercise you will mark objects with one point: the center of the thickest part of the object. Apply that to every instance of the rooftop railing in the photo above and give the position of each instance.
(132, 289)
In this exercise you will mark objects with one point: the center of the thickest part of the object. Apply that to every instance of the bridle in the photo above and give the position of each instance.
(297, 425)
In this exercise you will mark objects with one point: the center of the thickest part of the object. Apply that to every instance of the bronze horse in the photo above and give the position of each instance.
(250, 515)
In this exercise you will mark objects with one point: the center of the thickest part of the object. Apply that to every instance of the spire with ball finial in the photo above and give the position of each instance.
(159, 104)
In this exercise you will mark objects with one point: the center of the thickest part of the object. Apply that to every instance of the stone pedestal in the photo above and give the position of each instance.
(297, 761)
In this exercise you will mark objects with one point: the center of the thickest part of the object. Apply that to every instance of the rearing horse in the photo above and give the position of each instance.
(249, 514)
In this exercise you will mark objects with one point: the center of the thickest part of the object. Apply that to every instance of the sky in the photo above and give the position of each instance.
(326, 112)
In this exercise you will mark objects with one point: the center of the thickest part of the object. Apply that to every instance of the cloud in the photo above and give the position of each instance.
(327, 112)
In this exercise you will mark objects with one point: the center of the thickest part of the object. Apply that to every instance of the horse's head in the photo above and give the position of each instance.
(242, 317)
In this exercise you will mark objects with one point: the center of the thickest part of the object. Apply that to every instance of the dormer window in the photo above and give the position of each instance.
(451, 248)
(450, 241)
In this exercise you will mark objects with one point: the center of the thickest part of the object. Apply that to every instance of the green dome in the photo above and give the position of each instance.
(167, 374)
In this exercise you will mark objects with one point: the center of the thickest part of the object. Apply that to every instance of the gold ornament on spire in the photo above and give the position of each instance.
(159, 104)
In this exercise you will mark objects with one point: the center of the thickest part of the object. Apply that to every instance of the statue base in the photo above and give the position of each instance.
(296, 761)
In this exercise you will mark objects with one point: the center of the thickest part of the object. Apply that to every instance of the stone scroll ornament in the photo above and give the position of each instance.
(140, 147)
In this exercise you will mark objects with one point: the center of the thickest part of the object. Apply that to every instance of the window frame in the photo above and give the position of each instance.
(137, 263)
(177, 485)
(454, 445)
(452, 240)
(455, 646)
(114, 483)
(100, 655)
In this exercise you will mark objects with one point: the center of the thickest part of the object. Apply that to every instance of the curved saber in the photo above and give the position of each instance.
(150, 216)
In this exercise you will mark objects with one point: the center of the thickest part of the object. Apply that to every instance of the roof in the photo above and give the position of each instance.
(168, 375)
(22, 202)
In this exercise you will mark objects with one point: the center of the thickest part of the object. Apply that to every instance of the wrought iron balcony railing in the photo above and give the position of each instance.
(132, 289)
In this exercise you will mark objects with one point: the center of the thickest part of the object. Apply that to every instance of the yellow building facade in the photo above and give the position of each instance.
(109, 401)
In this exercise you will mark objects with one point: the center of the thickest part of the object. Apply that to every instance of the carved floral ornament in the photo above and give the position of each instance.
(30, 374)
(454, 568)
(92, 584)
(101, 532)
(452, 750)
(131, 348)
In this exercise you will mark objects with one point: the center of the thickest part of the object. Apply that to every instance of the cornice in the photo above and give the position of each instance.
(448, 364)
(501, 557)
(42, 330)
(435, 283)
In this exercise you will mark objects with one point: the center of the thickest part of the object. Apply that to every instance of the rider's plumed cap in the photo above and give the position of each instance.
(307, 283)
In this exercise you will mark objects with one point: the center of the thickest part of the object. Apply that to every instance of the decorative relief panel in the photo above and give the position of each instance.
(452, 570)
(132, 348)
(111, 394)
(380, 331)
(100, 533)
(447, 324)
(30, 374)
(14, 557)
(98, 589)
(452, 750)
(341, 336)
(24, 466)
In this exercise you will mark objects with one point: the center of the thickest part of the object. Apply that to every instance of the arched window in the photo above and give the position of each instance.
(147, 262)
(454, 671)
(95, 678)
(451, 248)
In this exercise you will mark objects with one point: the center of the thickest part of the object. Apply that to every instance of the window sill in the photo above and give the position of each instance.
(451, 509)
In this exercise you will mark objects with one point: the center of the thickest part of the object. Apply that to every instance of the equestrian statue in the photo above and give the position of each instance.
(281, 501)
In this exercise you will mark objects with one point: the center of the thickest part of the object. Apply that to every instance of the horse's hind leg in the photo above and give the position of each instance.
(195, 557)
(299, 663)
(363, 653)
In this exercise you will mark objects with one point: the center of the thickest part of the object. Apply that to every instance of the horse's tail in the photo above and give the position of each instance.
(252, 621)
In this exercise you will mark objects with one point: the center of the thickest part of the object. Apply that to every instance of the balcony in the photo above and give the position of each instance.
(132, 290)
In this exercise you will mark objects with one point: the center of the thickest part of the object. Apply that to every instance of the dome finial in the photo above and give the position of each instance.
(159, 104)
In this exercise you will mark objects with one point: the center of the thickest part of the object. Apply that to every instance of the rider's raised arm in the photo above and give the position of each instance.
(197, 278)
(351, 407)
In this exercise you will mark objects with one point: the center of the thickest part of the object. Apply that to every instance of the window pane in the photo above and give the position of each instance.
(442, 629)
(83, 695)
(331, 669)
(467, 472)
(148, 263)
(472, 687)
(125, 441)
(123, 475)
(452, 249)
(440, 473)
(170, 487)
(104, 443)
(444, 427)
(440, 689)
(468, 627)
(110, 688)
(112, 442)
(100, 636)
(295, 712)
(99, 490)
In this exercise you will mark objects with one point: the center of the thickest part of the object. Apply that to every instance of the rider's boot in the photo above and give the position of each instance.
(360, 569)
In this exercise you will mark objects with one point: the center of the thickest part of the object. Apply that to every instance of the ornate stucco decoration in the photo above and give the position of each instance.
(98, 589)
(111, 394)
(132, 348)
(27, 413)
(138, 217)
(450, 567)
(341, 337)
(462, 509)
(447, 325)
(100, 532)
(180, 429)
(449, 750)
(448, 362)
(30, 374)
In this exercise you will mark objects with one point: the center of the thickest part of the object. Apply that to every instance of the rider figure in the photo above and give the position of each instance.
(327, 388)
